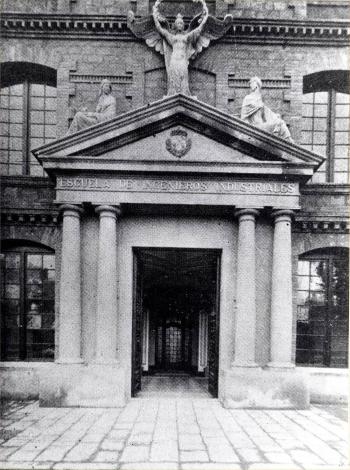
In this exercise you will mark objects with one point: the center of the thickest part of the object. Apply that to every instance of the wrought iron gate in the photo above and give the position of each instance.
(136, 369)
(213, 336)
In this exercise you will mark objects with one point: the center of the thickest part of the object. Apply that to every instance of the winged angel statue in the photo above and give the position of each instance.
(178, 45)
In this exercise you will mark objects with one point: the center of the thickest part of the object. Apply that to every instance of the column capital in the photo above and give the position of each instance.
(74, 209)
(248, 213)
(281, 215)
(108, 211)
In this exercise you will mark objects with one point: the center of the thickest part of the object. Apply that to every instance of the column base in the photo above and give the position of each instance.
(280, 365)
(69, 361)
(245, 364)
(264, 388)
(103, 362)
(92, 385)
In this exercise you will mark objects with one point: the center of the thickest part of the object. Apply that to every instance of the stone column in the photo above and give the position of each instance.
(70, 289)
(281, 295)
(246, 309)
(106, 308)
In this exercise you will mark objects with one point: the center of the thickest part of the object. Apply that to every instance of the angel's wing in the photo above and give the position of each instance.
(144, 28)
(213, 29)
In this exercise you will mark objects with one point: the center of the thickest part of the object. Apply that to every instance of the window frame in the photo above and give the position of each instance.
(330, 82)
(330, 145)
(23, 251)
(26, 125)
(329, 258)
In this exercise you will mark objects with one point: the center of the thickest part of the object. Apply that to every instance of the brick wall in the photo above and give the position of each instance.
(239, 8)
(219, 76)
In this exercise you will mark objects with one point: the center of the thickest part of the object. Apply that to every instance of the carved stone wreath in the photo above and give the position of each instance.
(178, 144)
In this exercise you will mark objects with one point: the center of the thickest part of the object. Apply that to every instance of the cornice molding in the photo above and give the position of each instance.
(126, 79)
(325, 188)
(247, 30)
(321, 224)
(29, 217)
(267, 83)
(27, 181)
(330, 220)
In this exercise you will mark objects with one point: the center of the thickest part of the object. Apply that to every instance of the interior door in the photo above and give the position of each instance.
(173, 347)
(136, 373)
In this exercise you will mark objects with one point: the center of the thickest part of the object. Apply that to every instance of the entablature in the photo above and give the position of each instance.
(245, 30)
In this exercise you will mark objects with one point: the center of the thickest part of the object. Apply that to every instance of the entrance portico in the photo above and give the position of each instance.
(124, 185)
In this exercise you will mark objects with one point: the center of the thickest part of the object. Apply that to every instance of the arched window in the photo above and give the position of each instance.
(27, 115)
(322, 308)
(326, 112)
(27, 303)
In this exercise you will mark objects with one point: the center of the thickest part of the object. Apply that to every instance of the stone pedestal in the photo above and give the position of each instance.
(82, 385)
(256, 388)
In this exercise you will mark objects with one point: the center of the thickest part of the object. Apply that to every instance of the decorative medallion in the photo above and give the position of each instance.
(178, 144)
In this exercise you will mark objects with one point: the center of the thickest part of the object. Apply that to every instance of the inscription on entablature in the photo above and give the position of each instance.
(171, 185)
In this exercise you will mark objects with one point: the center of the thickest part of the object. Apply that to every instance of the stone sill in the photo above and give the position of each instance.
(324, 371)
(24, 364)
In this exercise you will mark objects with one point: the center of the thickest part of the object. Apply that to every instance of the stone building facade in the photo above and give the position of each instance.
(122, 257)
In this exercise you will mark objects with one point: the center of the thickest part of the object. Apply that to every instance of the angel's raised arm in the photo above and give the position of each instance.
(163, 31)
(194, 34)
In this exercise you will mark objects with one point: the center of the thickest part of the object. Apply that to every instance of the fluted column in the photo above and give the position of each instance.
(70, 289)
(281, 295)
(246, 309)
(106, 309)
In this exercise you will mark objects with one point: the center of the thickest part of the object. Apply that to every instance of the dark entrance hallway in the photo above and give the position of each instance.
(175, 322)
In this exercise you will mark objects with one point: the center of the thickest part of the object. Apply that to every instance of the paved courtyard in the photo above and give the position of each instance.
(172, 433)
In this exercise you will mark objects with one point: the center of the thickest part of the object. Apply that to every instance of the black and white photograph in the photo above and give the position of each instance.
(174, 234)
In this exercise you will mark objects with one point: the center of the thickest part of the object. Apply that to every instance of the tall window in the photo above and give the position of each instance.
(27, 304)
(27, 116)
(322, 310)
(326, 112)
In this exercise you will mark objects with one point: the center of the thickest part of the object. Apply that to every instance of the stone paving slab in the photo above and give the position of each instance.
(172, 434)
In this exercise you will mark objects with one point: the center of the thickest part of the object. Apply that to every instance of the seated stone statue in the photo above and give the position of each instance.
(106, 109)
(257, 113)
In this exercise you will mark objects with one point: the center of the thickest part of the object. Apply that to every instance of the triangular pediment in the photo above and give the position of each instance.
(177, 130)
(178, 143)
